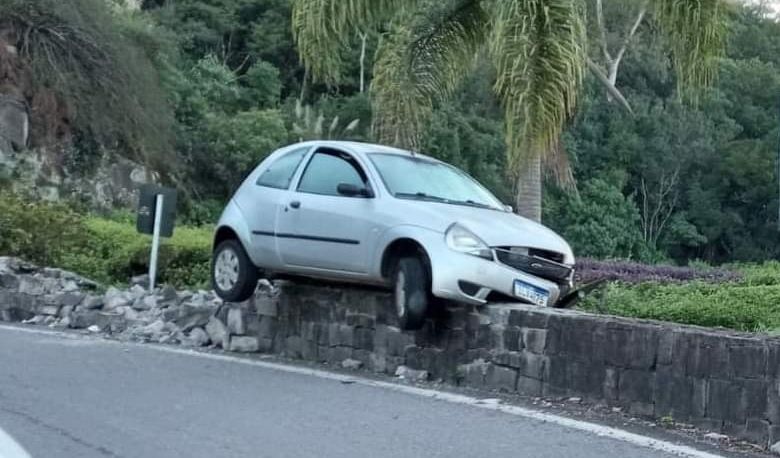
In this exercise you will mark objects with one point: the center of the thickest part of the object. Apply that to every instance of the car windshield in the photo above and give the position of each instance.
(409, 177)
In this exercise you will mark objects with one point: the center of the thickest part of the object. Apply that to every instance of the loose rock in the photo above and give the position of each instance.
(198, 337)
(352, 364)
(244, 344)
(217, 332)
(140, 280)
(411, 374)
(235, 321)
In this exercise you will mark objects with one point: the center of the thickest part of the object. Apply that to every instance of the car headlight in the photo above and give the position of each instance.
(461, 239)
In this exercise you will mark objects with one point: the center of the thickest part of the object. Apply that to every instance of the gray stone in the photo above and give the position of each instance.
(193, 315)
(48, 309)
(267, 306)
(145, 303)
(65, 311)
(138, 291)
(407, 373)
(14, 120)
(92, 302)
(94, 328)
(775, 448)
(114, 298)
(244, 344)
(501, 378)
(69, 299)
(351, 364)
(111, 321)
(152, 329)
(140, 280)
(535, 340)
(83, 319)
(31, 286)
(217, 332)
(198, 337)
(235, 321)
(168, 294)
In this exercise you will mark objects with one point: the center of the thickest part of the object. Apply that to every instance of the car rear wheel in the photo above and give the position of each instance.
(233, 275)
(410, 287)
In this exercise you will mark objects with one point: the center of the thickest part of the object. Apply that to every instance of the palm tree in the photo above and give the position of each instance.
(538, 49)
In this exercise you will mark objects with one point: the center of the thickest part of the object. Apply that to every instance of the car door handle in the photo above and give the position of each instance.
(295, 204)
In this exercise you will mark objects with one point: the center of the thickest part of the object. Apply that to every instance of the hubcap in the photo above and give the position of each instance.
(226, 270)
(400, 294)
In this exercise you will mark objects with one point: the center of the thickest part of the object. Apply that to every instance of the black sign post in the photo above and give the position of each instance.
(156, 216)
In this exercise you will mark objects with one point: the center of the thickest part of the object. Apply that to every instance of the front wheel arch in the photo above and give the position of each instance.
(400, 248)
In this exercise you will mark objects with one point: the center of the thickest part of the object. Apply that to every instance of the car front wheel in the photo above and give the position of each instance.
(410, 287)
(233, 275)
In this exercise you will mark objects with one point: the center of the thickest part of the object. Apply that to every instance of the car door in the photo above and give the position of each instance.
(320, 229)
(261, 200)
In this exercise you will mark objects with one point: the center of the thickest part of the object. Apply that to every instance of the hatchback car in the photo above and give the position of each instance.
(376, 215)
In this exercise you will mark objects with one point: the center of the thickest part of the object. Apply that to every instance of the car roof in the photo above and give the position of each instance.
(365, 148)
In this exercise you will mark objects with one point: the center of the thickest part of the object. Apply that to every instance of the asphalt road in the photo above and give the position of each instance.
(62, 396)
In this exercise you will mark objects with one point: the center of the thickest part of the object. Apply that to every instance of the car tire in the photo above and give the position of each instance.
(411, 292)
(233, 275)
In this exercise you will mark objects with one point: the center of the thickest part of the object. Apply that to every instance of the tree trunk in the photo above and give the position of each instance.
(528, 194)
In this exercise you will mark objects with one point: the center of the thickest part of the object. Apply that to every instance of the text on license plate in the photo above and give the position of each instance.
(531, 293)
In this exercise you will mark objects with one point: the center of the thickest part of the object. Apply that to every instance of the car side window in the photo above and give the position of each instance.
(280, 173)
(326, 171)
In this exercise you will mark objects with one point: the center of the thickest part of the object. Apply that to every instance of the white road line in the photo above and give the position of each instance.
(9, 448)
(592, 428)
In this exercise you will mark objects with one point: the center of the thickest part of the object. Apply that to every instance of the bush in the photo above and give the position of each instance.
(37, 231)
(116, 252)
(749, 304)
(109, 251)
(735, 306)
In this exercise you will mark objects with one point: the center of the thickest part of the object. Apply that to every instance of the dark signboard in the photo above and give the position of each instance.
(147, 204)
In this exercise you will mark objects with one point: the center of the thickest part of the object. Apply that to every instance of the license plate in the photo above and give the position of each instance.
(531, 293)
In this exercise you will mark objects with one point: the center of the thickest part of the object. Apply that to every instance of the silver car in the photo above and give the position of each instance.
(377, 215)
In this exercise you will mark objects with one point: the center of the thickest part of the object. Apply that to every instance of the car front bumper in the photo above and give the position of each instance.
(467, 278)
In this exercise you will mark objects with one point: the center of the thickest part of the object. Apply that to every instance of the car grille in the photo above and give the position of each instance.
(536, 262)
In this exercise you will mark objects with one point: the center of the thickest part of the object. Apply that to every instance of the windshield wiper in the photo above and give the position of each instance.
(420, 195)
(471, 203)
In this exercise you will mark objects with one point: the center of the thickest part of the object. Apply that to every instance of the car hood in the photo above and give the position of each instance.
(496, 228)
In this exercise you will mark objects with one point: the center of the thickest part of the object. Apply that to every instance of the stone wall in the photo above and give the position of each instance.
(720, 381)
(717, 380)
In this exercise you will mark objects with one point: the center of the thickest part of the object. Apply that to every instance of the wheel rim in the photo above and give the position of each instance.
(400, 294)
(226, 270)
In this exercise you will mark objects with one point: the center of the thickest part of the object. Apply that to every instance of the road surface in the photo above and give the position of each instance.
(63, 396)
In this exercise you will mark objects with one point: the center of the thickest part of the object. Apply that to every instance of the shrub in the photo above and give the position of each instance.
(746, 301)
(735, 306)
(38, 231)
(116, 252)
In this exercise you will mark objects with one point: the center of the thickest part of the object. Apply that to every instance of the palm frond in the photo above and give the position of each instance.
(538, 47)
(695, 30)
(321, 29)
(400, 107)
(446, 43)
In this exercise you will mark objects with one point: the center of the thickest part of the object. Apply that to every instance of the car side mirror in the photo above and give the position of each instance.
(509, 208)
(351, 190)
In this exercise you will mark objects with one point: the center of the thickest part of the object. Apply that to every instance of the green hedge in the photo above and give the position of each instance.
(750, 304)
(114, 252)
(105, 250)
